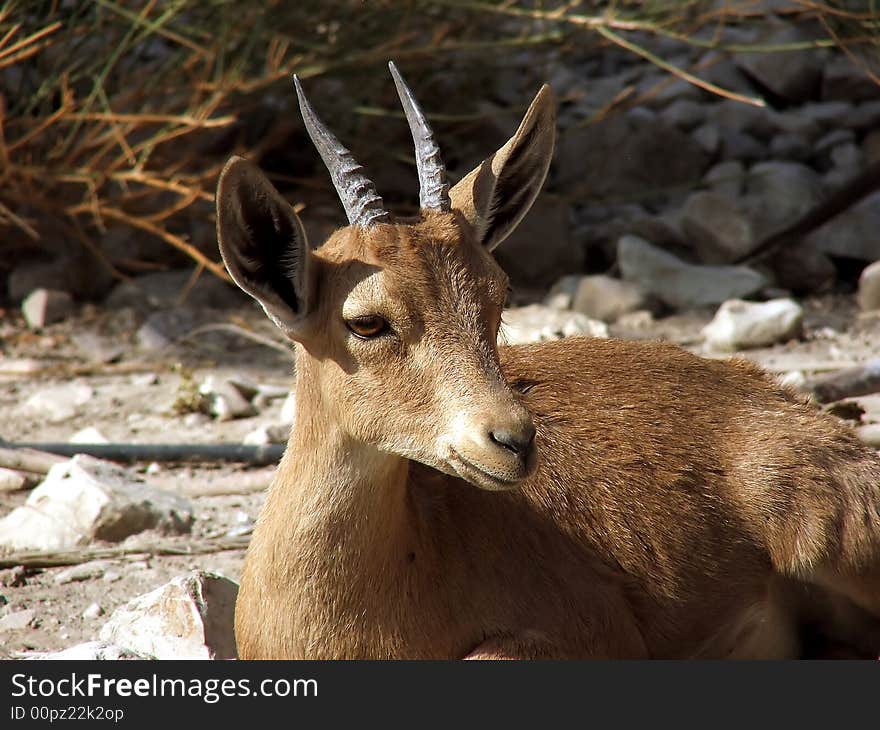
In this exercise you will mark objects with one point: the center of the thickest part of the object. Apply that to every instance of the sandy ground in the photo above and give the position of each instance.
(124, 408)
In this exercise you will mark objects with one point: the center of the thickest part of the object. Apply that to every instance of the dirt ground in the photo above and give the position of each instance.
(126, 406)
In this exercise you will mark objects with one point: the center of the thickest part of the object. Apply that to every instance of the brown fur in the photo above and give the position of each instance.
(669, 506)
(673, 499)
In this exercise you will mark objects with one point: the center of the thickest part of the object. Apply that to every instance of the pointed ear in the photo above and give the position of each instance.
(496, 195)
(263, 244)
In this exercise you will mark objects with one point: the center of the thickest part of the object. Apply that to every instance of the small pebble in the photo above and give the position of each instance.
(93, 611)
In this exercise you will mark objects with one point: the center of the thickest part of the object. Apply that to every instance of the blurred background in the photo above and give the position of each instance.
(701, 126)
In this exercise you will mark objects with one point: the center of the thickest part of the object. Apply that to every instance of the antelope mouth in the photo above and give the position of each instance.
(478, 475)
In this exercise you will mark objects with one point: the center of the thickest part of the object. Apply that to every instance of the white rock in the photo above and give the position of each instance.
(190, 617)
(193, 420)
(739, 325)
(869, 287)
(86, 499)
(12, 480)
(606, 298)
(88, 435)
(142, 380)
(679, 284)
(537, 323)
(267, 434)
(45, 306)
(90, 651)
(793, 379)
(59, 403)
(266, 393)
(561, 294)
(225, 399)
(15, 367)
(84, 571)
(288, 409)
(93, 611)
(16, 620)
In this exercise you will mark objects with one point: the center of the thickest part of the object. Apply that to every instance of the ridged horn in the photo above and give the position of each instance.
(362, 203)
(433, 188)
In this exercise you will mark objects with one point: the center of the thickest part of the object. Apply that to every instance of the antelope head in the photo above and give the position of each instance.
(396, 319)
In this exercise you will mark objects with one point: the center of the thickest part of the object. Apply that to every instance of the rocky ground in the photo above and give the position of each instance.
(54, 383)
(658, 192)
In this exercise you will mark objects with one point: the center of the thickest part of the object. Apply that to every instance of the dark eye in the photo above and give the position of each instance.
(368, 326)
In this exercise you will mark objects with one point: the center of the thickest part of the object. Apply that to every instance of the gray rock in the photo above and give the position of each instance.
(737, 116)
(537, 323)
(830, 114)
(716, 228)
(686, 114)
(793, 123)
(720, 69)
(726, 178)
(606, 298)
(620, 157)
(46, 306)
(740, 325)
(164, 290)
(855, 233)
(869, 287)
(843, 79)
(778, 193)
(679, 284)
(80, 275)
(540, 249)
(661, 91)
(161, 329)
(871, 146)
(803, 268)
(794, 75)
(847, 156)
(741, 146)
(60, 402)
(190, 617)
(85, 499)
(708, 137)
(790, 146)
(832, 139)
(97, 348)
(865, 116)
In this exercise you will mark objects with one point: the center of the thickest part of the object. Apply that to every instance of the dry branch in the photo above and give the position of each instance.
(30, 460)
(54, 559)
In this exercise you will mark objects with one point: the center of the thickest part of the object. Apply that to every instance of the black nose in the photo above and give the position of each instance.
(516, 441)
